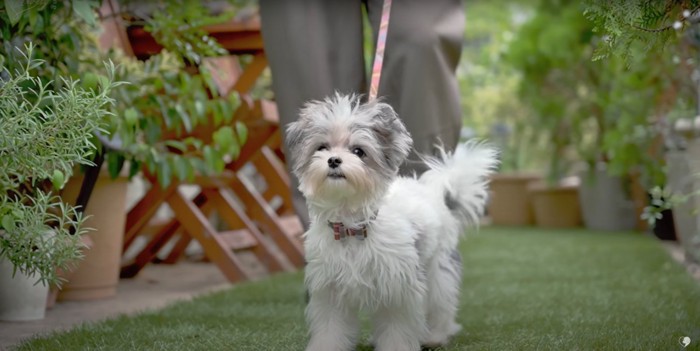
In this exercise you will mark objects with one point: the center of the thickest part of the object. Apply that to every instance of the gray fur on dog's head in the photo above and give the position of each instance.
(337, 127)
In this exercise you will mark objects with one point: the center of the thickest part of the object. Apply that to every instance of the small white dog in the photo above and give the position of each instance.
(379, 242)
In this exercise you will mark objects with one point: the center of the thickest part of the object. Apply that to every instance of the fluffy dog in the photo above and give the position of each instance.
(379, 242)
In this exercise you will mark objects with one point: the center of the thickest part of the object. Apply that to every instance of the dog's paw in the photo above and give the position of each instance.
(439, 338)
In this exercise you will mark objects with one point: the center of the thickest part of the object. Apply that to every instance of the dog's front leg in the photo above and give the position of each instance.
(333, 325)
(399, 328)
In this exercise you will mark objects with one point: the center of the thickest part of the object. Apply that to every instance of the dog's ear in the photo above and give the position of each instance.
(294, 136)
(392, 134)
(297, 133)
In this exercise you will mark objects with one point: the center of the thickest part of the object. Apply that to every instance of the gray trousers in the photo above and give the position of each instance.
(315, 48)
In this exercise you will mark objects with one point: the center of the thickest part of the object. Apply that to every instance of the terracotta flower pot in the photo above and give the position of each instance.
(97, 275)
(66, 275)
(556, 207)
(510, 202)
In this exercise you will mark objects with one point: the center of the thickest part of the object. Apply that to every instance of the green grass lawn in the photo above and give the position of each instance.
(524, 289)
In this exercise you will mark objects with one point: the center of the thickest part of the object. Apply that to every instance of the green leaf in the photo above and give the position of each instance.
(89, 81)
(234, 99)
(209, 157)
(234, 150)
(164, 174)
(199, 110)
(211, 84)
(134, 168)
(197, 143)
(176, 144)
(223, 138)
(241, 132)
(33, 19)
(57, 179)
(131, 116)
(185, 117)
(151, 163)
(115, 162)
(213, 159)
(84, 9)
(181, 166)
(226, 110)
(197, 165)
(153, 133)
(217, 112)
(14, 10)
(8, 222)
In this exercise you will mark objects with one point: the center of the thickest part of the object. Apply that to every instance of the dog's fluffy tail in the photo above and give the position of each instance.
(462, 177)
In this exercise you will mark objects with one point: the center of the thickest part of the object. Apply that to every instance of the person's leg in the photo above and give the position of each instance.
(424, 44)
(314, 48)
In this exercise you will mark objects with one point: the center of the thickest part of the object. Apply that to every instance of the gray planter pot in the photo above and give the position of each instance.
(684, 179)
(605, 203)
(21, 297)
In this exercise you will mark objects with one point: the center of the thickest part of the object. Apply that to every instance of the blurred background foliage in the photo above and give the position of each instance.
(489, 85)
(560, 86)
(544, 80)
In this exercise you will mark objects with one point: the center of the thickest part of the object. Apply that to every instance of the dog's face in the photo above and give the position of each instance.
(343, 150)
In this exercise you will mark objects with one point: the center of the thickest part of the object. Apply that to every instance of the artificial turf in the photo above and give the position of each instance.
(524, 289)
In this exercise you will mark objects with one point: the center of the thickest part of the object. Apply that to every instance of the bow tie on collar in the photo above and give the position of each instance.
(341, 232)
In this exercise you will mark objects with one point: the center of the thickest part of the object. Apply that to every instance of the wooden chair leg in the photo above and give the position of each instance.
(215, 247)
(259, 210)
(246, 81)
(146, 254)
(173, 226)
(139, 216)
(275, 174)
(237, 218)
(179, 249)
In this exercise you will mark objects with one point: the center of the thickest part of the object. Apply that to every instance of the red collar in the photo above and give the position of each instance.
(340, 231)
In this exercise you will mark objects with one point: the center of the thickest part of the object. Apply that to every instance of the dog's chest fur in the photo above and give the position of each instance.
(376, 271)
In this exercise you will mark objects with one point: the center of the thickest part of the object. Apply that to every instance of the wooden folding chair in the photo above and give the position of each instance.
(244, 219)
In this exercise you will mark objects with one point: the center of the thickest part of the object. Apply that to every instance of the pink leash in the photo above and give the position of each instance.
(379, 53)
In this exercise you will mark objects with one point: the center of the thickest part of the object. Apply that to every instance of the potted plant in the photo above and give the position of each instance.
(151, 126)
(47, 130)
(683, 154)
(667, 34)
(546, 51)
(616, 147)
(67, 48)
(170, 120)
(511, 200)
(493, 110)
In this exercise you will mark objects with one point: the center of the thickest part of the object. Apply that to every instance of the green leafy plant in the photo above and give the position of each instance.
(654, 24)
(490, 85)
(153, 121)
(610, 111)
(550, 52)
(46, 132)
(179, 26)
(173, 119)
(658, 41)
(65, 29)
(162, 108)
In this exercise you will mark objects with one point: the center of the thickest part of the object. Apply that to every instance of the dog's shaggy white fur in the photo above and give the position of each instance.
(407, 272)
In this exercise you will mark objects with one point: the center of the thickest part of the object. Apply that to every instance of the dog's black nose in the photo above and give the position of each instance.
(334, 162)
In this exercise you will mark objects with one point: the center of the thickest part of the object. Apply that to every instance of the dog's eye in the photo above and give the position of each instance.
(358, 152)
(322, 147)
